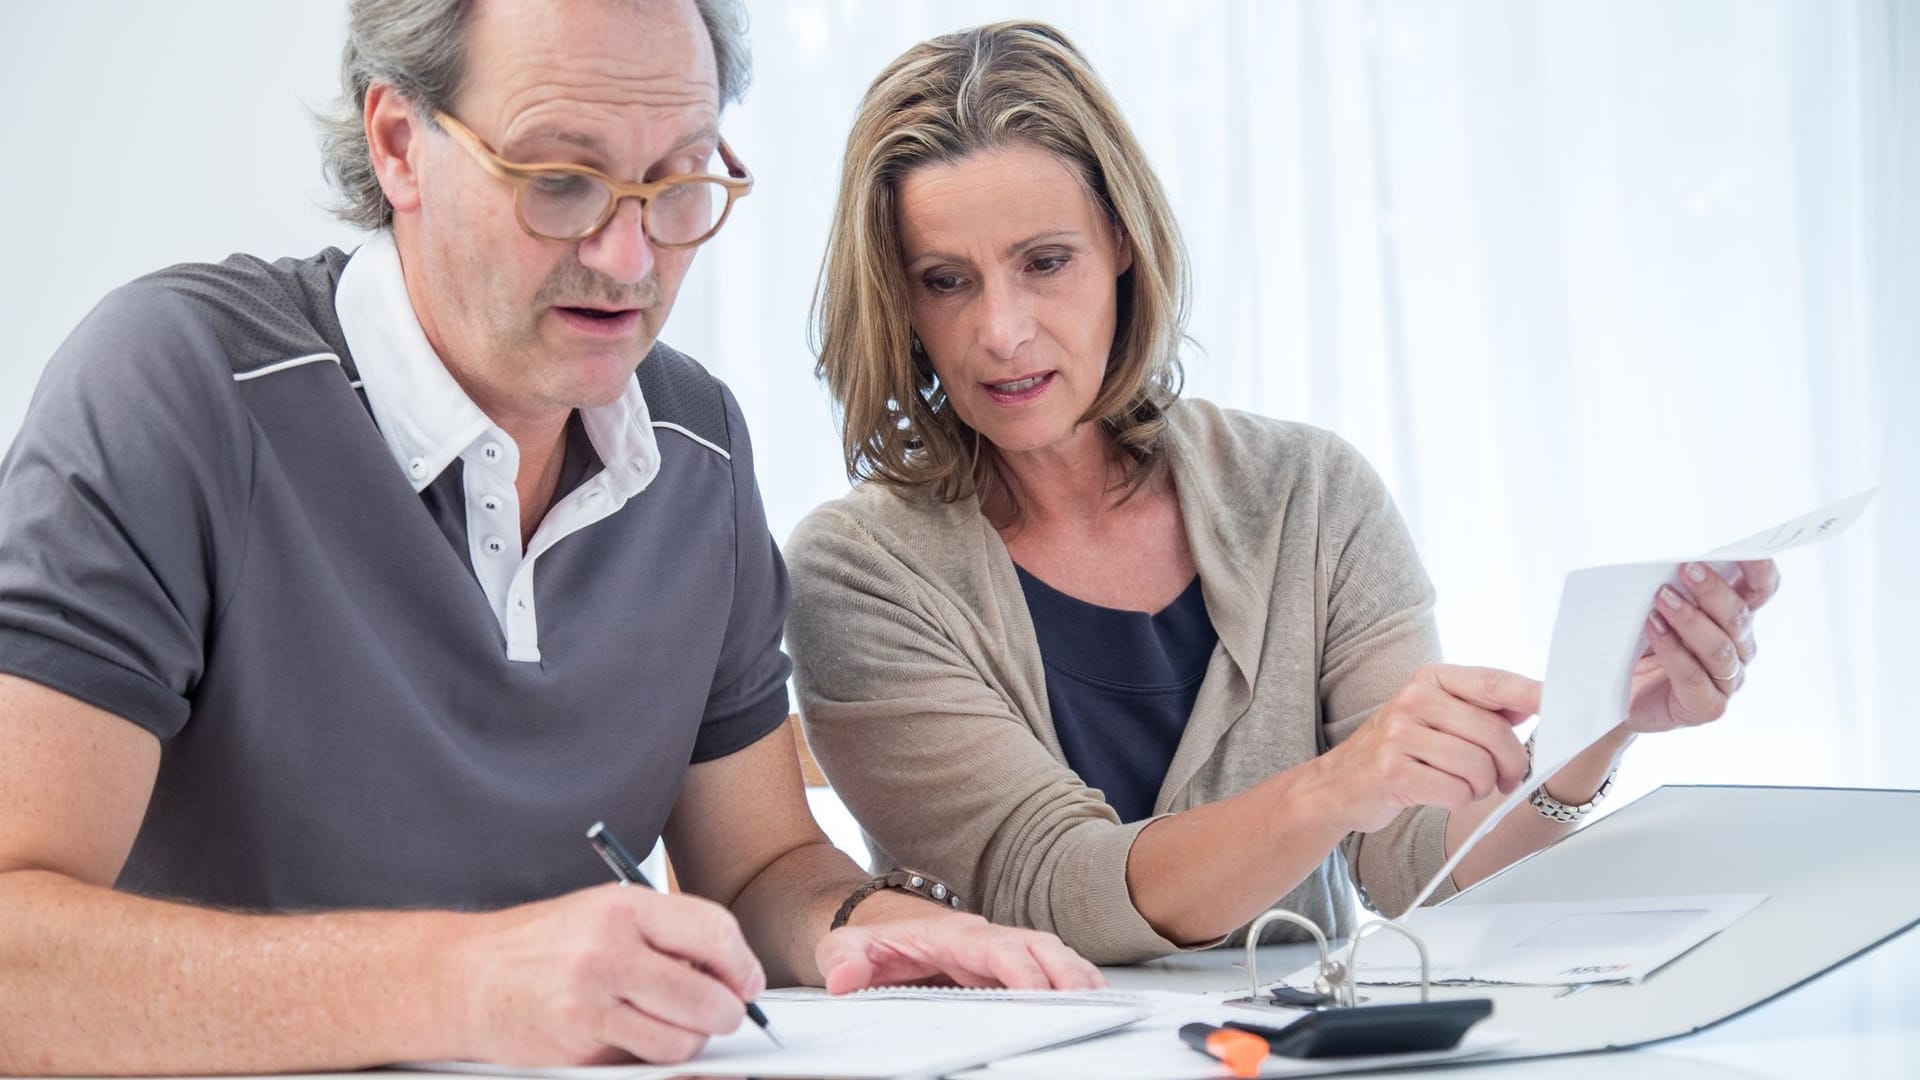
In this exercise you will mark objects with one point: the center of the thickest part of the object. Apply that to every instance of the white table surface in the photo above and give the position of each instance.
(1861, 1019)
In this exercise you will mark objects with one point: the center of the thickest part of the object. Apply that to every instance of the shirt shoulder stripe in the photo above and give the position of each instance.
(663, 424)
(283, 365)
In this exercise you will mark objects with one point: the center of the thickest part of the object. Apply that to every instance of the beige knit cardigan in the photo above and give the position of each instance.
(924, 697)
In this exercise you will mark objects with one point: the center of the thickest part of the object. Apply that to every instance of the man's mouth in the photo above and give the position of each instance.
(598, 321)
(602, 314)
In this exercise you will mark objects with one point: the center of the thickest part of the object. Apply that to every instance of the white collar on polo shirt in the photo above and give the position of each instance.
(425, 417)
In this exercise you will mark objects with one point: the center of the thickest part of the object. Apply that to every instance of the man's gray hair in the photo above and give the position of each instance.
(418, 47)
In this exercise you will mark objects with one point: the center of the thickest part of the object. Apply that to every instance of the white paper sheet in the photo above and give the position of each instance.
(1562, 943)
(1599, 635)
(911, 1032)
(1600, 631)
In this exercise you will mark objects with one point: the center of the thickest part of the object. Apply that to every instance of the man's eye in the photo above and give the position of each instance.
(682, 193)
(560, 184)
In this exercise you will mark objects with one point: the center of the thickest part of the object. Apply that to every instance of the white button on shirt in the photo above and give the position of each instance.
(428, 422)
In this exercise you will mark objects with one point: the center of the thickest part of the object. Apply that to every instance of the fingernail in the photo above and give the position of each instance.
(1657, 624)
(1669, 597)
(1696, 572)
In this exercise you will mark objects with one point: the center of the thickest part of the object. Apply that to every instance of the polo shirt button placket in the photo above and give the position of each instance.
(521, 629)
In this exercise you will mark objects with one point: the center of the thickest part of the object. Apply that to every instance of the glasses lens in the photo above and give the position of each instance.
(562, 206)
(685, 212)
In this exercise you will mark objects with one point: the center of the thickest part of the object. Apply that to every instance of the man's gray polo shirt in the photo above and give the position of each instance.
(203, 531)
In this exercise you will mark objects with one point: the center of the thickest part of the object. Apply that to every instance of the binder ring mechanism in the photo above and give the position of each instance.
(1334, 984)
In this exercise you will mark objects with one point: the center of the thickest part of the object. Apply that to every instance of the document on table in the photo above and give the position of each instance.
(882, 1033)
(1560, 943)
(1152, 1050)
(1599, 635)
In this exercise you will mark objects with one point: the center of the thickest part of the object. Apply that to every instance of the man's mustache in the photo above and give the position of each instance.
(573, 285)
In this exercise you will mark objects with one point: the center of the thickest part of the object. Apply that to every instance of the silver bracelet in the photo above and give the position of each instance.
(1553, 809)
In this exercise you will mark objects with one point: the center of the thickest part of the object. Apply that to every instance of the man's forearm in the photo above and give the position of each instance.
(786, 909)
(98, 981)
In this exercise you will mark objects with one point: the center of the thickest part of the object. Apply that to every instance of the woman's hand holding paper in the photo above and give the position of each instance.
(1701, 638)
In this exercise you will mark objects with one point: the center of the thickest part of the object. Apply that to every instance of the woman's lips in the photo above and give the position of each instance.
(1019, 391)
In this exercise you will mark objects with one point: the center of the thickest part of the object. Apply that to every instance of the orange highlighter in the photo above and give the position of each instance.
(1241, 1051)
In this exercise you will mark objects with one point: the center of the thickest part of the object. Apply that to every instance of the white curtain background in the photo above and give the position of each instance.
(1586, 281)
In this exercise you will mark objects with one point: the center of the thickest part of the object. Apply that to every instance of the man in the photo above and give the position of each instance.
(339, 596)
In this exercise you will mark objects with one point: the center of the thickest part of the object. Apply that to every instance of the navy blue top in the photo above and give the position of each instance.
(1121, 685)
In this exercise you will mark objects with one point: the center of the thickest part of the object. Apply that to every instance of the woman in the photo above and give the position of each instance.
(1112, 664)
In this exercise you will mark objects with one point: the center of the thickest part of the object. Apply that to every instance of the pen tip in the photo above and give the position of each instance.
(759, 1017)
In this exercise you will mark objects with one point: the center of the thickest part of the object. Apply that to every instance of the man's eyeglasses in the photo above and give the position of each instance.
(569, 203)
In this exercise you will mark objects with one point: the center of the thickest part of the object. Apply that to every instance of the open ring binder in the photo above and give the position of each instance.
(1335, 984)
(1342, 1027)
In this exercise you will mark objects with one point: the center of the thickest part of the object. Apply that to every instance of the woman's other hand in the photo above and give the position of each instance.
(950, 948)
(1445, 739)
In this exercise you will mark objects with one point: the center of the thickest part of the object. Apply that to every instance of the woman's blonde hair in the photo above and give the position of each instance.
(1011, 83)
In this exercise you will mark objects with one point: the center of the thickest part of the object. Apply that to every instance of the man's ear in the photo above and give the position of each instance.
(391, 129)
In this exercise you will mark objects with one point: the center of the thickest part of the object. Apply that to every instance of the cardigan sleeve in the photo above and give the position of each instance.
(930, 754)
(1379, 631)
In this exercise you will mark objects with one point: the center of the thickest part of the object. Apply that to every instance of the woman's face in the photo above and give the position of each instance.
(1011, 268)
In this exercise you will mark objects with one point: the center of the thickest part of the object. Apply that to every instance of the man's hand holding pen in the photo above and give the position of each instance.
(600, 976)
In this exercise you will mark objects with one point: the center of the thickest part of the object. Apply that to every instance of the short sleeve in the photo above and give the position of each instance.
(122, 510)
(748, 698)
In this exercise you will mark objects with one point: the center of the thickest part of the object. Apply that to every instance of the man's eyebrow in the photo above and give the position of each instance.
(592, 144)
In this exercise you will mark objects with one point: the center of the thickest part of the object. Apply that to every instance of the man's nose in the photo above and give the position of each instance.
(620, 250)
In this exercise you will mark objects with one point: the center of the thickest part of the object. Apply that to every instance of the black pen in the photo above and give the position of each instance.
(627, 869)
